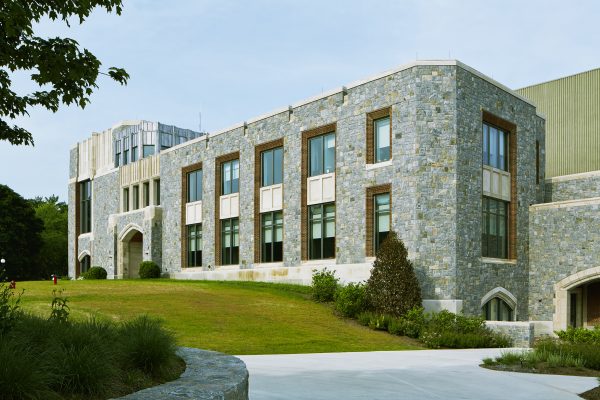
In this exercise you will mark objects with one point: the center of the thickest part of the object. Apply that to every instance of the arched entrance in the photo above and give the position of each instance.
(577, 300)
(131, 252)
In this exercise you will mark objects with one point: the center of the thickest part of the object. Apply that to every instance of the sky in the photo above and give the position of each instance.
(234, 60)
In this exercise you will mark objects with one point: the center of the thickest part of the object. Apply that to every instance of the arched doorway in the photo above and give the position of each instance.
(578, 300)
(131, 252)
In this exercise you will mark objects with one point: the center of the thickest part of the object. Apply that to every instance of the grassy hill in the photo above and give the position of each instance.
(231, 317)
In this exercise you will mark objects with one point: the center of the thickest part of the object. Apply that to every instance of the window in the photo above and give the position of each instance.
(85, 193)
(134, 148)
(117, 153)
(125, 150)
(382, 218)
(230, 177)
(148, 150)
(495, 147)
(125, 199)
(146, 193)
(322, 154)
(497, 310)
(322, 231)
(381, 128)
(272, 237)
(85, 264)
(230, 250)
(494, 239)
(194, 238)
(272, 167)
(136, 197)
(157, 192)
(194, 186)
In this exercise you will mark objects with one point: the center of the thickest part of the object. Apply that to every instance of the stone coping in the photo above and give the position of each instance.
(208, 376)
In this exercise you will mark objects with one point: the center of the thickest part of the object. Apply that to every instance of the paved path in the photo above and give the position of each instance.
(406, 375)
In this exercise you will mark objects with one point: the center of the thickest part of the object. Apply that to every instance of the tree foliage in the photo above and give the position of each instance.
(64, 72)
(54, 253)
(393, 287)
(20, 236)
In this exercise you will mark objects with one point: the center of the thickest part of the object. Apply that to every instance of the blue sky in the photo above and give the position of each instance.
(233, 60)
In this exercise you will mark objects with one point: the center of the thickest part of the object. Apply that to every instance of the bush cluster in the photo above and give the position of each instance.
(149, 270)
(580, 335)
(95, 273)
(57, 358)
(324, 285)
(350, 300)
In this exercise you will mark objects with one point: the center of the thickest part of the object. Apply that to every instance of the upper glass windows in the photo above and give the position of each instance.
(382, 218)
(494, 239)
(194, 185)
(495, 147)
(230, 177)
(322, 154)
(381, 129)
(272, 167)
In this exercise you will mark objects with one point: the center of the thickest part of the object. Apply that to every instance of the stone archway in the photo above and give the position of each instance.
(130, 252)
(577, 300)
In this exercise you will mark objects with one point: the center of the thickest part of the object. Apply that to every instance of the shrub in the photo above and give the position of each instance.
(393, 288)
(324, 285)
(580, 335)
(149, 270)
(9, 306)
(95, 273)
(364, 318)
(350, 299)
(380, 322)
(413, 322)
(147, 345)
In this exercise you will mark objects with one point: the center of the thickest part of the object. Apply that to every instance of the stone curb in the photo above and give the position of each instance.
(208, 376)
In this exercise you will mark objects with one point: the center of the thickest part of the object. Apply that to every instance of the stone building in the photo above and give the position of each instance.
(445, 156)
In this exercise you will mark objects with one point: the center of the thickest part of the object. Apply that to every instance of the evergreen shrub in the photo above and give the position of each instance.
(95, 273)
(149, 270)
(350, 300)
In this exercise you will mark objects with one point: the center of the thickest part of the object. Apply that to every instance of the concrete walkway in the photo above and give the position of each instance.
(419, 375)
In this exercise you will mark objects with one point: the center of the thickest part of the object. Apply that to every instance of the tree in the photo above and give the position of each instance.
(54, 253)
(65, 72)
(393, 287)
(20, 236)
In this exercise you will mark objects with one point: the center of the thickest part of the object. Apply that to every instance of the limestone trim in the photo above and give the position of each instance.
(218, 161)
(511, 128)
(582, 175)
(306, 135)
(370, 217)
(129, 228)
(83, 254)
(123, 240)
(561, 294)
(257, 180)
(567, 203)
(503, 294)
(184, 189)
(371, 117)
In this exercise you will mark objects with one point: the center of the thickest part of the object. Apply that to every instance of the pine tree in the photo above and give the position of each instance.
(393, 287)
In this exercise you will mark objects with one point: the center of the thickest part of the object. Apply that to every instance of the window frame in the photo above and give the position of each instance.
(323, 154)
(192, 259)
(376, 241)
(85, 205)
(227, 186)
(264, 257)
(126, 199)
(486, 149)
(230, 255)
(146, 193)
(371, 154)
(501, 304)
(271, 168)
(197, 178)
(323, 220)
(501, 249)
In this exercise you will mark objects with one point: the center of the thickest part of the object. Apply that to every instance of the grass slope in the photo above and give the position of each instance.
(230, 317)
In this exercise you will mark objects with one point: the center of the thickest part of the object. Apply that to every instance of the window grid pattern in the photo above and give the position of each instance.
(382, 218)
(194, 186)
(497, 310)
(494, 240)
(230, 177)
(230, 238)
(322, 154)
(272, 237)
(85, 190)
(322, 231)
(272, 167)
(194, 245)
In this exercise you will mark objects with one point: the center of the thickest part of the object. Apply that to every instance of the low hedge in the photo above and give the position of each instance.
(149, 270)
(95, 273)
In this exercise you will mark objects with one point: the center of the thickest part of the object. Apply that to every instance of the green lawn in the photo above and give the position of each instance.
(231, 317)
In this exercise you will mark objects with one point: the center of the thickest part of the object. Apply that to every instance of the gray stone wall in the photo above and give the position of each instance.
(477, 277)
(105, 201)
(573, 187)
(521, 333)
(72, 256)
(565, 239)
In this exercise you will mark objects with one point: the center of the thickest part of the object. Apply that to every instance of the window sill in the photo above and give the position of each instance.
(490, 260)
(382, 164)
(86, 235)
(275, 264)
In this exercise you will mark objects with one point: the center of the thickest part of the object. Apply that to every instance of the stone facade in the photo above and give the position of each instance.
(435, 174)
(573, 187)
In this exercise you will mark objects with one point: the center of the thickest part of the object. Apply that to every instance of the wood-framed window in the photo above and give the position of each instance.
(304, 168)
(219, 186)
(322, 231)
(379, 135)
(499, 216)
(85, 206)
(194, 245)
(230, 241)
(187, 178)
(194, 186)
(321, 154)
(378, 216)
(271, 236)
(230, 177)
(261, 165)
